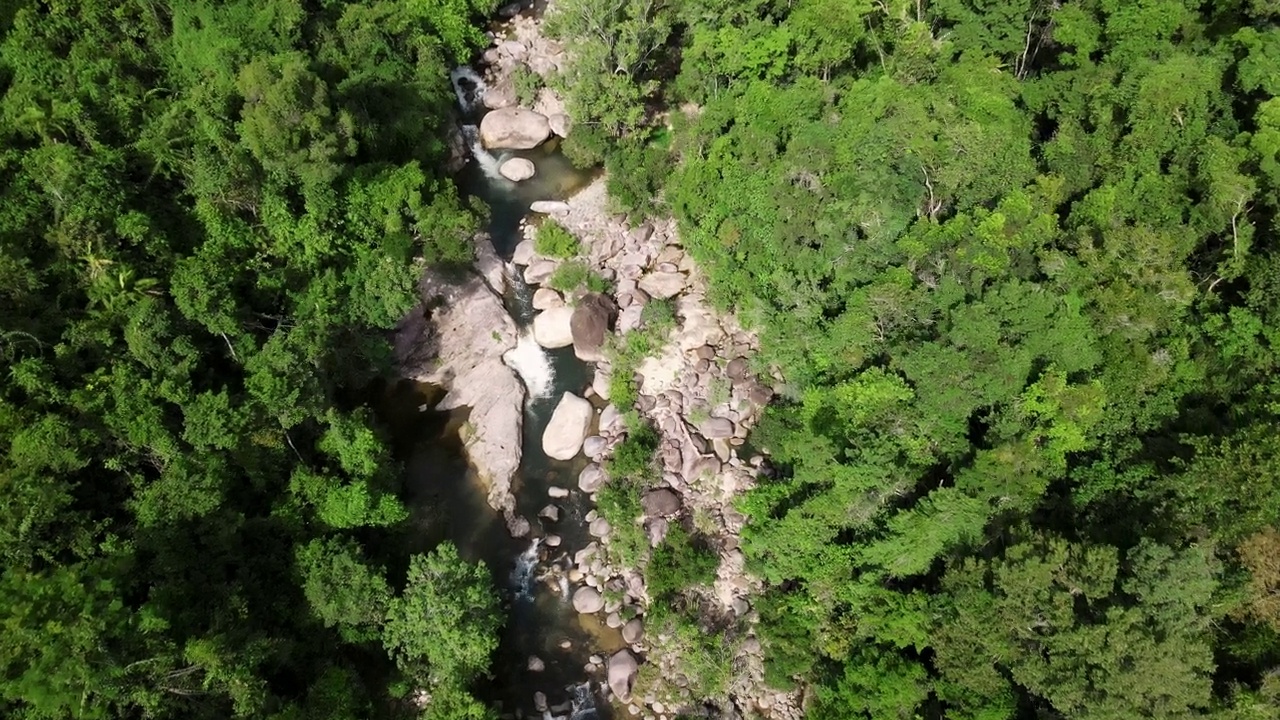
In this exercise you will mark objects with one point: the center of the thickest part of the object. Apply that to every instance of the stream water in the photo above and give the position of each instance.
(449, 503)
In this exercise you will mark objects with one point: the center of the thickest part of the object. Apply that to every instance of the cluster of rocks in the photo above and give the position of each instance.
(703, 396)
(700, 392)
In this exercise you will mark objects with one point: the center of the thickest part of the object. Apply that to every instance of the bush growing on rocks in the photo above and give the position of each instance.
(633, 457)
(527, 84)
(552, 240)
(618, 502)
(575, 275)
(681, 561)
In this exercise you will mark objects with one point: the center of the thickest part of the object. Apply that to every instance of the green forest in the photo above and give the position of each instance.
(211, 214)
(1017, 261)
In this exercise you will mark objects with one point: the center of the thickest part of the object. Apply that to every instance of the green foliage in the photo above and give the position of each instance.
(444, 626)
(679, 562)
(1015, 263)
(618, 502)
(552, 240)
(633, 457)
(210, 215)
(573, 276)
(527, 84)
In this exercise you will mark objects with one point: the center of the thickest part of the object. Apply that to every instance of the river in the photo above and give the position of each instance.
(449, 503)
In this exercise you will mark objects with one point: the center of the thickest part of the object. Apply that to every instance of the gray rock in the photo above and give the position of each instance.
(460, 346)
(656, 530)
(538, 271)
(536, 665)
(559, 124)
(556, 491)
(622, 672)
(514, 128)
(660, 503)
(599, 528)
(591, 478)
(552, 540)
(587, 600)
(547, 299)
(592, 319)
(633, 631)
(716, 427)
(550, 513)
(705, 352)
(517, 526)
(600, 384)
(594, 445)
(524, 253)
(553, 329)
(549, 207)
(567, 428)
(609, 417)
(517, 169)
(737, 368)
(614, 620)
(663, 284)
(642, 233)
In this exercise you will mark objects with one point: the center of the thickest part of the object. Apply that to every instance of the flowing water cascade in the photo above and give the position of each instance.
(522, 575)
(546, 642)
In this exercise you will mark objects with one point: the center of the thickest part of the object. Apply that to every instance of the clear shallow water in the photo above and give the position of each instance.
(448, 502)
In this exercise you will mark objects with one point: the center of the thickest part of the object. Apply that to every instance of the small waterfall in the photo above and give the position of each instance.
(583, 702)
(488, 162)
(533, 366)
(469, 88)
(522, 575)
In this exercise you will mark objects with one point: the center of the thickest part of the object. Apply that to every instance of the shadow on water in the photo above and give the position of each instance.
(448, 501)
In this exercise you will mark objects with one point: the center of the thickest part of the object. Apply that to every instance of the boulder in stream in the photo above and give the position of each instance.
(591, 478)
(592, 319)
(633, 631)
(549, 207)
(459, 346)
(517, 169)
(552, 328)
(514, 128)
(546, 299)
(622, 672)
(567, 428)
(587, 600)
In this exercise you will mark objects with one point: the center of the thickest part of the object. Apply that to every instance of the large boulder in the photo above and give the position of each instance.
(514, 128)
(591, 321)
(567, 428)
(633, 631)
(591, 478)
(587, 600)
(552, 328)
(517, 169)
(663, 284)
(715, 428)
(546, 299)
(539, 271)
(559, 124)
(459, 346)
(549, 207)
(660, 502)
(622, 672)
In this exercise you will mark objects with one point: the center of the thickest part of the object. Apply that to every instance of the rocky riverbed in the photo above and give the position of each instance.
(700, 392)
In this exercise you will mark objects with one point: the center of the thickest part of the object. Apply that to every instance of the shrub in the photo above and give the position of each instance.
(527, 84)
(552, 240)
(569, 276)
(659, 316)
(680, 562)
(633, 457)
(618, 502)
(637, 172)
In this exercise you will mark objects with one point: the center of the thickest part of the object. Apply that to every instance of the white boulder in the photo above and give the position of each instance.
(567, 428)
(517, 169)
(514, 128)
(552, 329)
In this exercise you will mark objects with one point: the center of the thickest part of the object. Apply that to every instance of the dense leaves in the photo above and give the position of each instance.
(1016, 262)
(209, 214)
